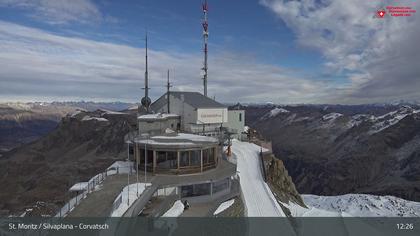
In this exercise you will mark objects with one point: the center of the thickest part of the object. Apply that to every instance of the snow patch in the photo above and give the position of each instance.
(331, 116)
(77, 112)
(176, 210)
(224, 206)
(128, 195)
(108, 112)
(277, 111)
(100, 119)
(390, 119)
(157, 116)
(122, 167)
(187, 137)
(82, 186)
(356, 120)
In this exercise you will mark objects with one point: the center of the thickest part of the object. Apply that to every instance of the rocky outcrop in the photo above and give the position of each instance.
(280, 182)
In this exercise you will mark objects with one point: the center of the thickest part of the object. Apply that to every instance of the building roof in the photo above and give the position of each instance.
(194, 99)
(177, 140)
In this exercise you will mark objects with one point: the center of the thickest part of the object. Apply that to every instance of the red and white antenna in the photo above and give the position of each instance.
(205, 37)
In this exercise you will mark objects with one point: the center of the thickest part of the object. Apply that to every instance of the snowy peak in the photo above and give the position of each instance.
(390, 119)
(274, 112)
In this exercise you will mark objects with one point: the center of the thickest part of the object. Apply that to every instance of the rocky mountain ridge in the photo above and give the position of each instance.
(82, 145)
(376, 151)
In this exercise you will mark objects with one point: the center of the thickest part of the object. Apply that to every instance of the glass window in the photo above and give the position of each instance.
(166, 160)
(173, 164)
(184, 159)
(205, 156)
(220, 185)
(195, 158)
(211, 155)
(149, 157)
(240, 117)
(141, 156)
(195, 190)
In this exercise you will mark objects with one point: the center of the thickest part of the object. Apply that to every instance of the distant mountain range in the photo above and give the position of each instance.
(25, 122)
(335, 149)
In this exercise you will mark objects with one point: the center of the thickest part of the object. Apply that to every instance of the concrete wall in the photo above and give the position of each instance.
(236, 122)
(188, 113)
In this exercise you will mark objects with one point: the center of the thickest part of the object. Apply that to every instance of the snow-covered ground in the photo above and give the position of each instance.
(81, 186)
(277, 111)
(100, 119)
(259, 200)
(129, 195)
(224, 206)
(176, 210)
(355, 205)
(123, 167)
(108, 112)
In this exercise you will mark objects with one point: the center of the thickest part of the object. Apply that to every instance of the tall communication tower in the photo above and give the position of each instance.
(205, 37)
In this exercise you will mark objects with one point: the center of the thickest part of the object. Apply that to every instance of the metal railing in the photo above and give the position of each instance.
(93, 183)
(117, 203)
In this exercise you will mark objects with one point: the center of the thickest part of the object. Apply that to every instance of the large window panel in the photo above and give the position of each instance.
(220, 185)
(195, 158)
(184, 159)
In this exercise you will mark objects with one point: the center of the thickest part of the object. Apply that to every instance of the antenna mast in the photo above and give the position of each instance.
(168, 86)
(145, 101)
(205, 37)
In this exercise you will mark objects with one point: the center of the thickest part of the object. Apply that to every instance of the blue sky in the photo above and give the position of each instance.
(267, 50)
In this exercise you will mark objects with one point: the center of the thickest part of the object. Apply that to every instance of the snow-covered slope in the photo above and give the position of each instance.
(274, 112)
(259, 200)
(355, 205)
(331, 116)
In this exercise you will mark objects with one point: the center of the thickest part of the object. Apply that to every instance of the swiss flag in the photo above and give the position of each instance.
(381, 13)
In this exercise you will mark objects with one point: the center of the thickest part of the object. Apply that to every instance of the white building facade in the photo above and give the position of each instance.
(199, 114)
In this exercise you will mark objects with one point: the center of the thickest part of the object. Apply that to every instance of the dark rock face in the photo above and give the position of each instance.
(332, 151)
(80, 147)
(280, 182)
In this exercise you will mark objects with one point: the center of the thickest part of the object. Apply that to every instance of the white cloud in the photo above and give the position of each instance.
(382, 54)
(41, 65)
(58, 11)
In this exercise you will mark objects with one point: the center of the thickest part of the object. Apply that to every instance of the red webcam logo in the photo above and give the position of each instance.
(381, 13)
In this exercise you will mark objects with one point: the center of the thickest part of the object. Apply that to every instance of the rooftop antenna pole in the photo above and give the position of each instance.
(168, 86)
(205, 37)
(145, 101)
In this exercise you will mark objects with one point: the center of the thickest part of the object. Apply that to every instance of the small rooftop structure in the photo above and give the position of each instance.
(158, 123)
